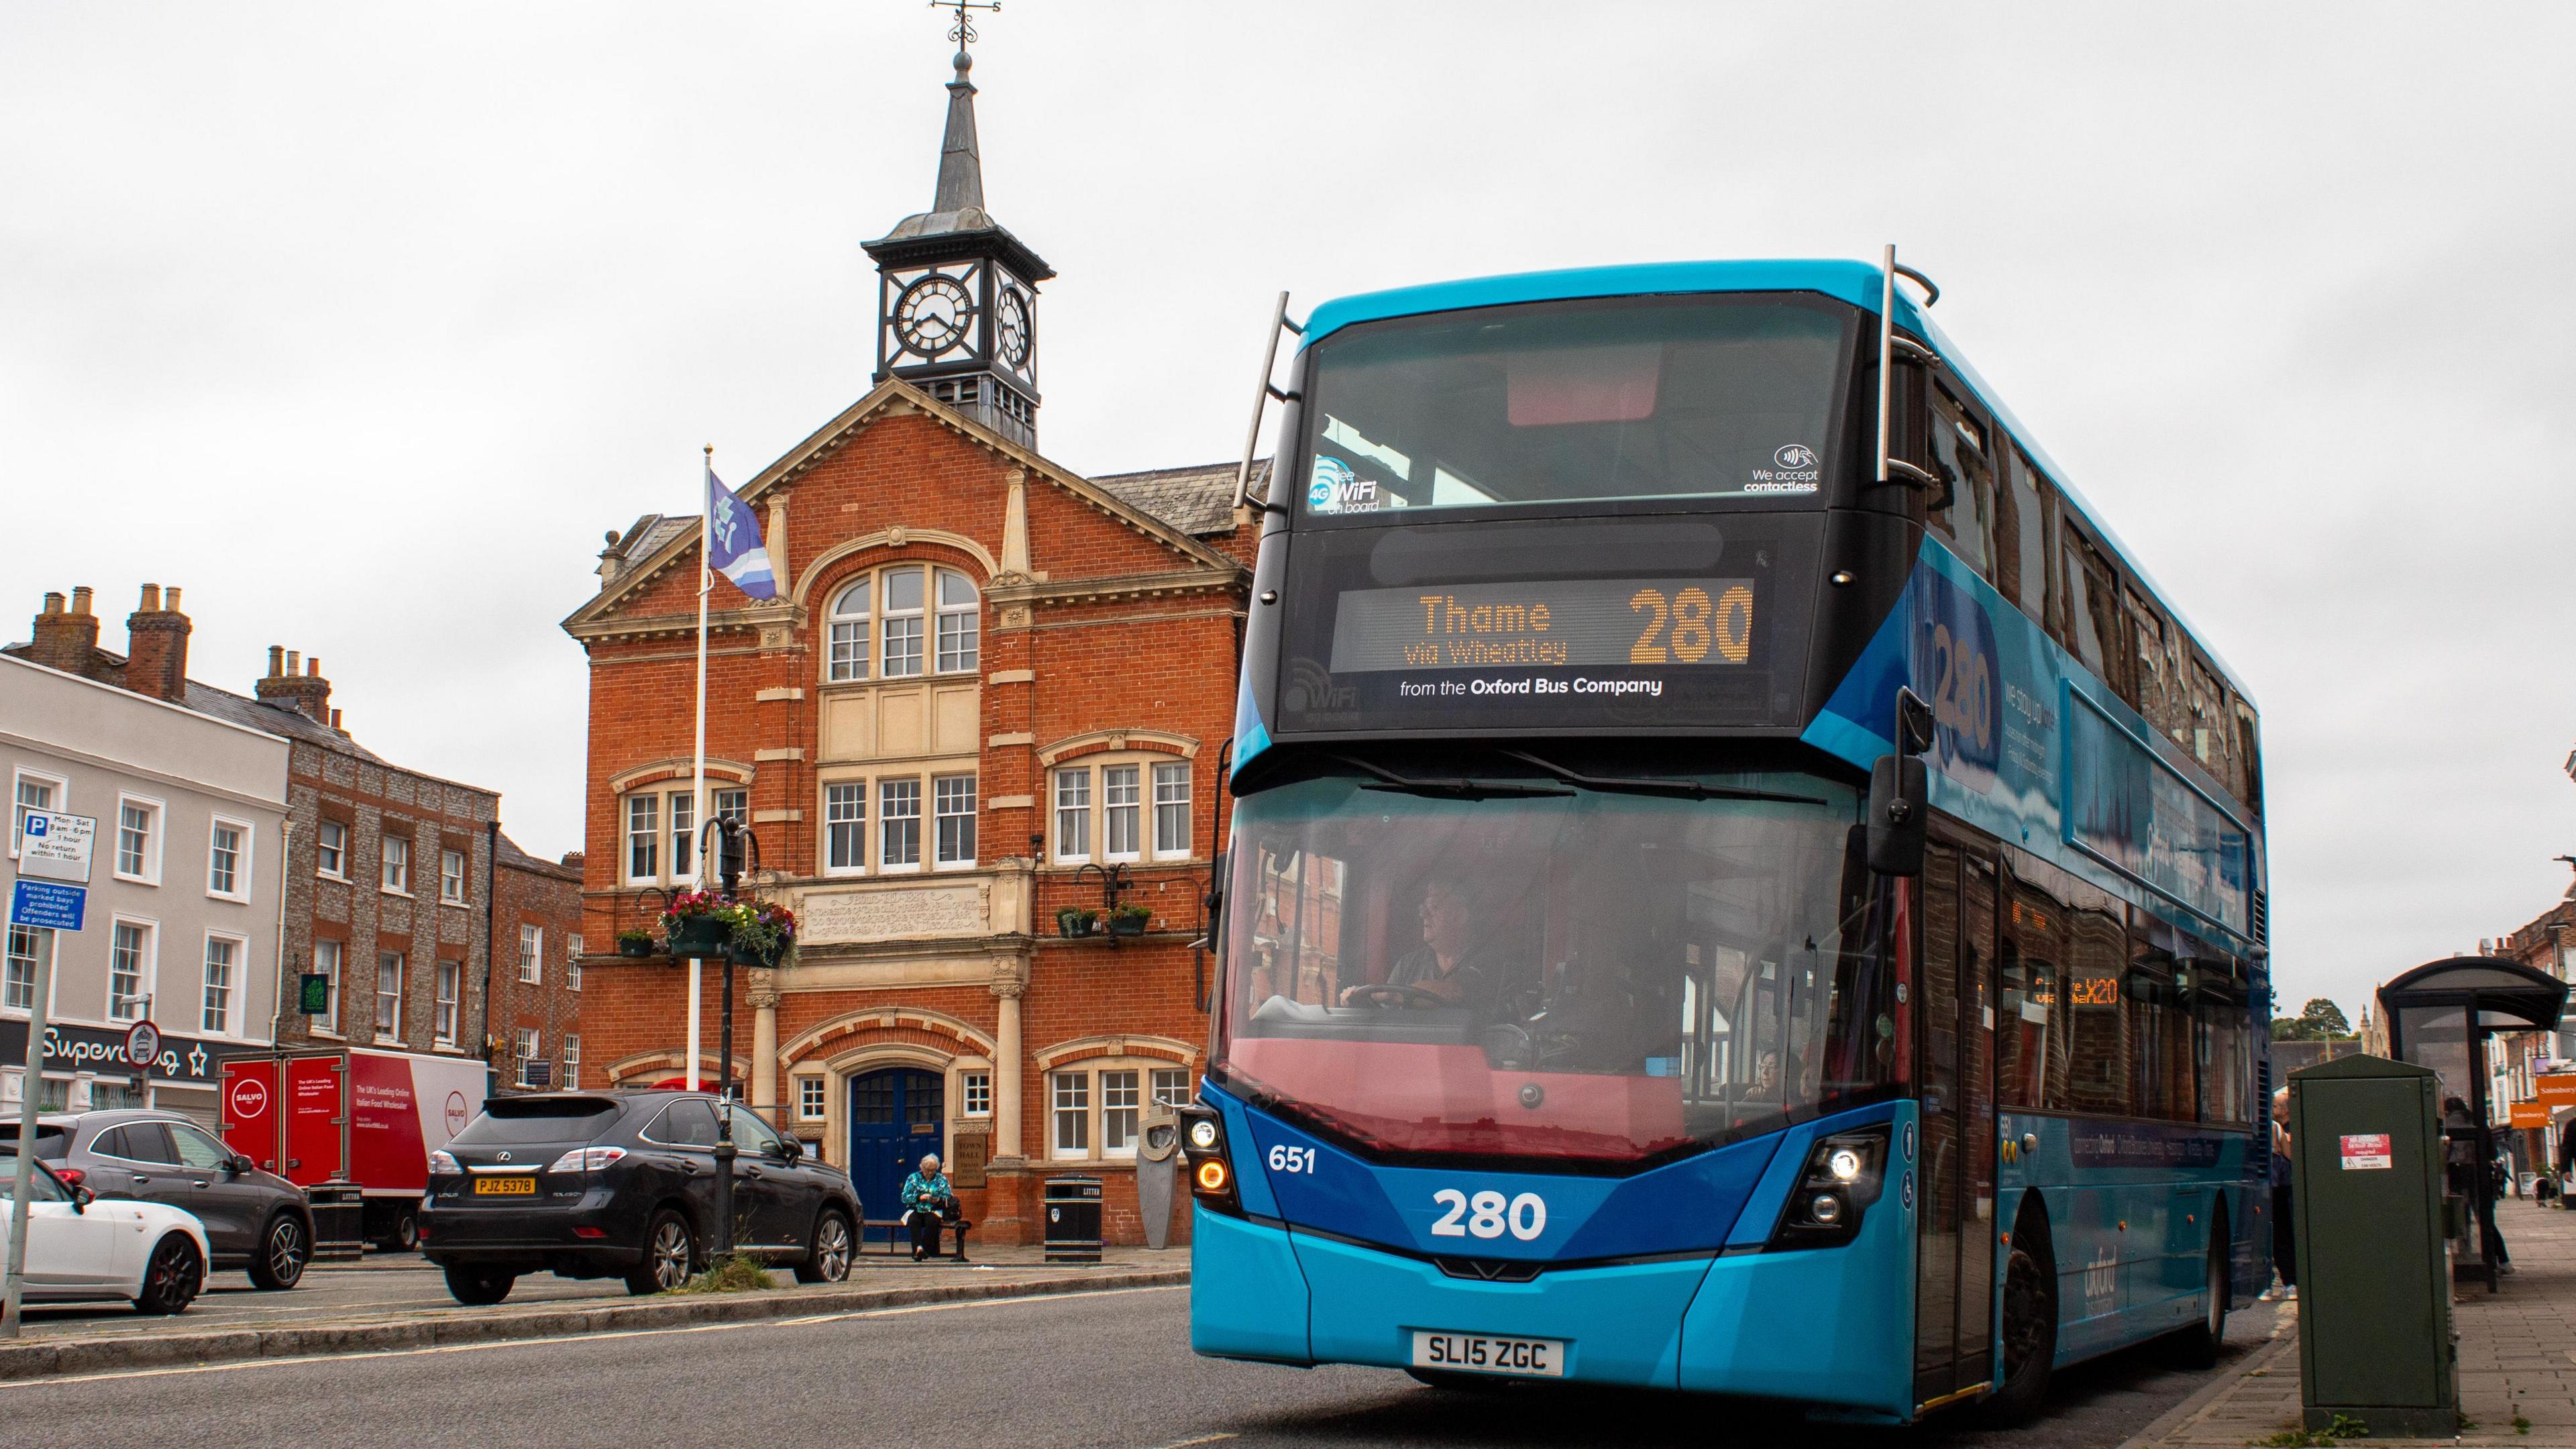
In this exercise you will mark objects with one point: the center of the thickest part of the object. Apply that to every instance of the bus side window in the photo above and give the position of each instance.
(1959, 453)
(2158, 694)
(2021, 522)
(2032, 1039)
(2092, 619)
(2207, 728)
(2097, 958)
(2160, 1024)
(2226, 1032)
(2249, 756)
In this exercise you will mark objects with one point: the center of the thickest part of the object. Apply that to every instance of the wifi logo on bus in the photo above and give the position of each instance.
(1336, 487)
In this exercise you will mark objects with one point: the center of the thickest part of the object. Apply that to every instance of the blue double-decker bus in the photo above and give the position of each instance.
(1738, 882)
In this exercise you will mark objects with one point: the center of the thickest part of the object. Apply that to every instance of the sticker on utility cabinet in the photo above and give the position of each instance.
(2366, 1151)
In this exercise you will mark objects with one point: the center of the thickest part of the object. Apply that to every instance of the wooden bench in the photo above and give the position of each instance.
(899, 1235)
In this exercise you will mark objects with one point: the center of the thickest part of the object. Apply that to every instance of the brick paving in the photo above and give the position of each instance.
(2517, 1357)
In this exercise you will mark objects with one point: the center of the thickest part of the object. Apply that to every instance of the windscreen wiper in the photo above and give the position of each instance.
(1657, 785)
(1454, 788)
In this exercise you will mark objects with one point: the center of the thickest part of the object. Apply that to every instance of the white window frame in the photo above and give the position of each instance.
(401, 973)
(1133, 808)
(443, 974)
(969, 617)
(58, 800)
(526, 1042)
(850, 635)
(682, 838)
(532, 955)
(393, 867)
(234, 987)
(147, 972)
(323, 852)
(940, 814)
(650, 835)
(573, 948)
(731, 802)
(148, 869)
(571, 1061)
(813, 1098)
(46, 944)
(856, 825)
(973, 1085)
(1154, 1089)
(1164, 849)
(446, 858)
(1134, 1108)
(919, 657)
(328, 1023)
(1070, 845)
(887, 788)
(241, 858)
(1076, 1109)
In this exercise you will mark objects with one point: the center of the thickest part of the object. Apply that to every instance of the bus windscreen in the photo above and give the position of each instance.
(1554, 972)
(1608, 398)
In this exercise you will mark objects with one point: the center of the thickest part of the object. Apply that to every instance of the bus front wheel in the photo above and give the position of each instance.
(2030, 1327)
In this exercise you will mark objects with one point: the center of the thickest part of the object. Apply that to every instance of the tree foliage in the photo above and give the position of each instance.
(2319, 1020)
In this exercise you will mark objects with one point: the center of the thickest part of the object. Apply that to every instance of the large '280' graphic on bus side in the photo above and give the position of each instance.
(1957, 669)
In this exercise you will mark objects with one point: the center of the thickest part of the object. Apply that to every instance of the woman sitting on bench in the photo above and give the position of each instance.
(927, 1201)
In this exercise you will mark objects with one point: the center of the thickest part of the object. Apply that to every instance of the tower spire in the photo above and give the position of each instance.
(961, 165)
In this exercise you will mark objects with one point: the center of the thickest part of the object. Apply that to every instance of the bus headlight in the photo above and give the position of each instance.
(1211, 1167)
(1845, 1174)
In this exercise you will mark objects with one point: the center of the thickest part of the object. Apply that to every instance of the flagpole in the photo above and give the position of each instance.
(698, 778)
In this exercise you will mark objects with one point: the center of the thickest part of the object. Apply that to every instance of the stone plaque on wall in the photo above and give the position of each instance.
(842, 917)
(971, 1150)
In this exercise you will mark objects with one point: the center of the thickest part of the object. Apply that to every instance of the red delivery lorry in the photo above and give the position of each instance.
(357, 1115)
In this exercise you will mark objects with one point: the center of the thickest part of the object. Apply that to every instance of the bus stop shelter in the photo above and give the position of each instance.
(2439, 1016)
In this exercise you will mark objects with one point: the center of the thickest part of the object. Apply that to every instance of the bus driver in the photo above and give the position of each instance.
(1440, 967)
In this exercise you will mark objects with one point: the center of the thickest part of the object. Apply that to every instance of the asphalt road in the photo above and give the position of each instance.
(1108, 1369)
(387, 1286)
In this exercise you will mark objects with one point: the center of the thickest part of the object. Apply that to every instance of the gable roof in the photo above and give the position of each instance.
(658, 541)
(1198, 501)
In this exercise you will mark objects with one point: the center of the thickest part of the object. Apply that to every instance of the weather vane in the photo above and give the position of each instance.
(963, 32)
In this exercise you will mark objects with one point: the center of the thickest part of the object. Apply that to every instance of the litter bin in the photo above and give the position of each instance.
(2375, 1341)
(339, 1219)
(1072, 1219)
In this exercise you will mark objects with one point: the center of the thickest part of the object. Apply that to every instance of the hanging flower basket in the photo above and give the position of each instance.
(1129, 920)
(1073, 923)
(635, 945)
(700, 937)
(761, 958)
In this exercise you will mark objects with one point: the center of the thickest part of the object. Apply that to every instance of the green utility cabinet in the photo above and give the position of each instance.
(2375, 1340)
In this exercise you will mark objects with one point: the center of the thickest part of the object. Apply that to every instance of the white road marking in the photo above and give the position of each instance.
(621, 1333)
(1202, 1439)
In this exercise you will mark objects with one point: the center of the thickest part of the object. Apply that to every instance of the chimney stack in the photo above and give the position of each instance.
(297, 684)
(156, 647)
(66, 639)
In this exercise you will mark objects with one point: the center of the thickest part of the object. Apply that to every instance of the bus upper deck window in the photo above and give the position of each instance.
(1582, 385)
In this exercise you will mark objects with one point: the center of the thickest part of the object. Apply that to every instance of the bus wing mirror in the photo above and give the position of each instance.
(1900, 815)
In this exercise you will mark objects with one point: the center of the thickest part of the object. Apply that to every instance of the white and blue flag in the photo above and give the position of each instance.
(734, 546)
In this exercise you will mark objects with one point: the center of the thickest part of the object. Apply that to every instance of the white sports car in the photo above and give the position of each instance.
(82, 1247)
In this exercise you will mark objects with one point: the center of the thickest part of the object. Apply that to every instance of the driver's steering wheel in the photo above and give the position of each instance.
(1386, 994)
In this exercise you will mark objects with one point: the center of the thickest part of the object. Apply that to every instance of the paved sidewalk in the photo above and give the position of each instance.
(2517, 1357)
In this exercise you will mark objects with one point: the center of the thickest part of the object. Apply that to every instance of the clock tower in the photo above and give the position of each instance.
(957, 293)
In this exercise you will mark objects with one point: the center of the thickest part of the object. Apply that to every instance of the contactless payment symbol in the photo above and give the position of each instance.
(1795, 455)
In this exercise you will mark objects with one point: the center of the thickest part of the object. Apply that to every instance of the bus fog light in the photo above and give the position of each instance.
(1845, 1164)
(1825, 1208)
(1212, 1175)
(1203, 1135)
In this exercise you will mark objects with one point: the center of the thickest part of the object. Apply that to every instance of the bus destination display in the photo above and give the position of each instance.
(1613, 624)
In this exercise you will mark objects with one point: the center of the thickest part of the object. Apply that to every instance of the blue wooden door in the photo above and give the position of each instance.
(894, 1120)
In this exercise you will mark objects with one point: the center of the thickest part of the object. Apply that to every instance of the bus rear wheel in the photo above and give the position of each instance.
(2030, 1328)
(2197, 1346)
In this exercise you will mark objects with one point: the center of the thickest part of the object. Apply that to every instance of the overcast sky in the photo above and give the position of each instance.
(363, 322)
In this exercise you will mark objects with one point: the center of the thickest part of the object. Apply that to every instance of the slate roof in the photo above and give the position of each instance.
(1198, 501)
(511, 855)
(276, 719)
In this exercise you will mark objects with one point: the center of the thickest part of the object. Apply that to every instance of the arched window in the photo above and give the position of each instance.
(902, 629)
(850, 631)
(960, 623)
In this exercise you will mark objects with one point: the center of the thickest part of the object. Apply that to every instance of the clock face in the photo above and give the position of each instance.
(932, 314)
(1012, 323)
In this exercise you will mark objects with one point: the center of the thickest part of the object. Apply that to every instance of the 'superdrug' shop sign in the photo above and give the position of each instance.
(94, 1049)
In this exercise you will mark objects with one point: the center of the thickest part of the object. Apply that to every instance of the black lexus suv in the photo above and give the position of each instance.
(623, 1184)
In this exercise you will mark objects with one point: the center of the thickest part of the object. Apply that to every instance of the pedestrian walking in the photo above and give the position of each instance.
(927, 1201)
(2285, 1244)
